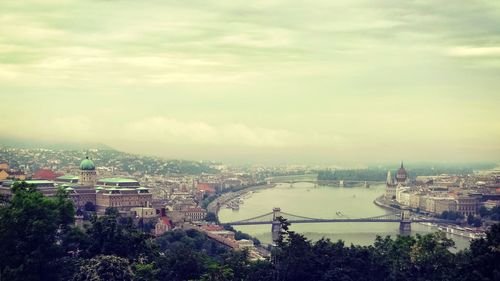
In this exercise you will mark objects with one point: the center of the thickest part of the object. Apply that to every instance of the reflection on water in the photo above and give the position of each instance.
(322, 202)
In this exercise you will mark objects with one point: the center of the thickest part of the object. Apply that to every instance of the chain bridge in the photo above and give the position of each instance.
(404, 218)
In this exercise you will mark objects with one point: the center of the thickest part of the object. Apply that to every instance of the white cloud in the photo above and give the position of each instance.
(473, 51)
(171, 130)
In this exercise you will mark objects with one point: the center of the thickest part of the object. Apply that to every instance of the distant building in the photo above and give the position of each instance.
(143, 212)
(3, 174)
(120, 193)
(44, 174)
(401, 175)
(467, 205)
(46, 187)
(17, 175)
(392, 186)
(206, 188)
(390, 190)
(162, 225)
(4, 166)
(245, 244)
(194, 214)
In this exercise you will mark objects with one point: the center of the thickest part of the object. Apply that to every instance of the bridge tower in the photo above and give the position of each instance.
(405, 224)
(276, 224)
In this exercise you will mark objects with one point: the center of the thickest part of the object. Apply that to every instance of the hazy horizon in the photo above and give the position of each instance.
(256, 82)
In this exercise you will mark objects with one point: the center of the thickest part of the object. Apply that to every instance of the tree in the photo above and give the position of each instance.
(112, 211)
(145, 272)
(484, 212)
(89, 207)
(212, 217)
(482, 260)
(105, 268)
(109, 237)
(474, 221)
(31, 229)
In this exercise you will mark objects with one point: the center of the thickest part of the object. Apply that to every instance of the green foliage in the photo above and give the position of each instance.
(380, 174)
(31, 226)
(145, 272)
(238, 235)
(451, 215)
(39, 244)
(212, 217)
(193, 240)
(356, 175)
(493, 214)
(207, 200)
(109, 237)
(474, 221)
(89, 207)
(482, 260)
(112, 211)
(104, 268)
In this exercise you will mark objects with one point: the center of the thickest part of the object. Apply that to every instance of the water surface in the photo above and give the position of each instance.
(322, 202)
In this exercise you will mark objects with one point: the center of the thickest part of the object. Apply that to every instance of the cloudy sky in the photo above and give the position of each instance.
(256, 81)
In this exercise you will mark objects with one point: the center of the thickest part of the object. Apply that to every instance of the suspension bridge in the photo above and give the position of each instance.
(404, 218)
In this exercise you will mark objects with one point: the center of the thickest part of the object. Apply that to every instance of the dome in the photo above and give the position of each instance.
(87, 164)
(401, 175)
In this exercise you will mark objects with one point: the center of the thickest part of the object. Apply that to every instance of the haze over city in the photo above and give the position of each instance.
(259, 81)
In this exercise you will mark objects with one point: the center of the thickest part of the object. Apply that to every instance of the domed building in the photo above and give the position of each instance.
(401, 175)
(88, 175)
(121, 193)
(392, 186)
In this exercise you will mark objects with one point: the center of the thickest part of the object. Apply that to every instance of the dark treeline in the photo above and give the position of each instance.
(379, 174)
(38, 242)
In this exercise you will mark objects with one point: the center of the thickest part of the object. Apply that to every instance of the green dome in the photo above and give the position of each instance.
(87, 164)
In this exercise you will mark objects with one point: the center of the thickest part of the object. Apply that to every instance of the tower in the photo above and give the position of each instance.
(88, 176)
(390, 189)
(276, 225)
(401, 175)
(389, 178)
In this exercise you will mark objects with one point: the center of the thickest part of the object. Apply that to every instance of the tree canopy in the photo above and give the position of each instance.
(40, 243)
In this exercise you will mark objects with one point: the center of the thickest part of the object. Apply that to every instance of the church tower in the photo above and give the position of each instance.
(88, 176)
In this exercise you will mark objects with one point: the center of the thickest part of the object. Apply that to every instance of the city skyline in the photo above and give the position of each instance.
(266, 82)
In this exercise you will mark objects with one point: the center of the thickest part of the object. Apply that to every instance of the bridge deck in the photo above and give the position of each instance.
(335, 220)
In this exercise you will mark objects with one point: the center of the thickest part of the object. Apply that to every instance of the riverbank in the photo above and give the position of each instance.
(467, 232)
(224, 198)
(380, 201)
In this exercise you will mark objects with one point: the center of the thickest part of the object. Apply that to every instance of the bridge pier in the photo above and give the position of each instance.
(405, 224)
(276, 225)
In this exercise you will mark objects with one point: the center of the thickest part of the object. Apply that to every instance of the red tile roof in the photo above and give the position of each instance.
(206, 187)
(44, 174)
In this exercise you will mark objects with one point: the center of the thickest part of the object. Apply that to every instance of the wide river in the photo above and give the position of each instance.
(323, 202)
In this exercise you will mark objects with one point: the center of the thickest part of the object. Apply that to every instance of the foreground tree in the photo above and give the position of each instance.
(31, 229)
(482, 260)
(104, 268)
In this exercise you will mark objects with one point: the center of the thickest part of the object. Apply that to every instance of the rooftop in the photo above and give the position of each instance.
(67, 177)
(118, 180)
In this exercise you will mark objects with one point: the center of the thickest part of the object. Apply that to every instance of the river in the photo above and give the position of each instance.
(323, 202)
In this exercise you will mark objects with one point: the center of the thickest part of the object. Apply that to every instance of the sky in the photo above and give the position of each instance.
(263, 81)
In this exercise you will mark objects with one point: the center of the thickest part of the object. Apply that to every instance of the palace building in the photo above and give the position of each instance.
(121, 193)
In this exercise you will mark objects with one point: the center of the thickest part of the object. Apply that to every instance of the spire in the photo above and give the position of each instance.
(389, 177)
(402, 165)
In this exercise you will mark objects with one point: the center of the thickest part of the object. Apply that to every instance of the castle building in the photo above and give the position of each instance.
(88, 175)
(120, 193)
